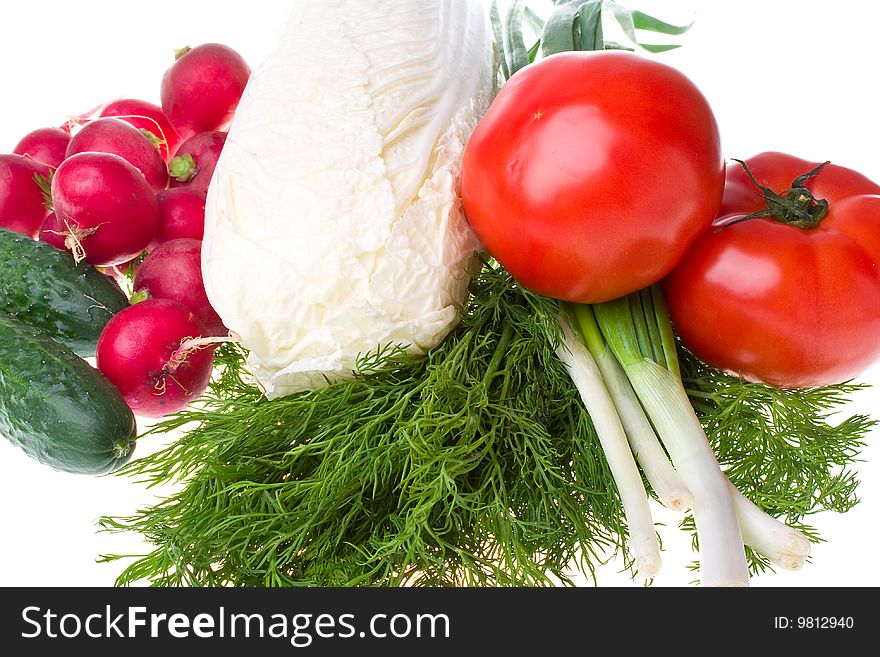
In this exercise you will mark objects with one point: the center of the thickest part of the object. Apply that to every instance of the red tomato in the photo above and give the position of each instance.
(774, 302)
(592, 173)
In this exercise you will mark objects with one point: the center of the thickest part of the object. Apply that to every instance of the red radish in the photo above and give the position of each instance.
(196, 159)
(53, 232)
(146, 116)
(155, 354)
(48, 146)
(106, 206)
(201, 90)
(123, 139)
(181, 214)
(173, 270)
(22, 205)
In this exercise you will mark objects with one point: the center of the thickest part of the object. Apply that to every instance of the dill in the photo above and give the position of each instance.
(475, 465)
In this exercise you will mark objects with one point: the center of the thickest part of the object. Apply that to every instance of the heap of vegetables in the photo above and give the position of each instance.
(114, 196)
(401, 411)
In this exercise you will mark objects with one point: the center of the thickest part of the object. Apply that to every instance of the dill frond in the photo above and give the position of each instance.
(475, 465)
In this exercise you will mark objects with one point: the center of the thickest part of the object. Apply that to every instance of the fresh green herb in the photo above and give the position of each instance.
(474, 465)
(44, 182)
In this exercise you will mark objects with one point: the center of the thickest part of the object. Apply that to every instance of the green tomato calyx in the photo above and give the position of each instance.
(796, 206)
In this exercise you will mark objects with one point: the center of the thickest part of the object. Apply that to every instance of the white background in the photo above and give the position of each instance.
(781, 75)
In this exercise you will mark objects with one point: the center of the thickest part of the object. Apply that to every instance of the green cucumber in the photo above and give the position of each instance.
(56, 407)
(44, 287)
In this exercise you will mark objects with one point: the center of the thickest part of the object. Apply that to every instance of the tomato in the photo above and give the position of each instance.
(775, 300)
(592, 173)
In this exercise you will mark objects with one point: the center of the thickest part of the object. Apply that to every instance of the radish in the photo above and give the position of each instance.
(173, 270)
(107, 208)
(22, 205)
(181, 214)
(155, 354)
(123, 139)
(196, 159)
(201, 90)
(146, 116)
(48, 146)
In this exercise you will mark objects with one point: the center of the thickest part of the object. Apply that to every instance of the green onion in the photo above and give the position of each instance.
(785, 547)
(625, 324)
(639, 333)
(665, 481)
(587, 378)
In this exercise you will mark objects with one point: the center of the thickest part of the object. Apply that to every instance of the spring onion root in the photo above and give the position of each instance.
(585, 374)
(786, 547)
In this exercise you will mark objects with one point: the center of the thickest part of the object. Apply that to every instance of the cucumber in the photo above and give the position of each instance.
(56, 407)
(44, 287)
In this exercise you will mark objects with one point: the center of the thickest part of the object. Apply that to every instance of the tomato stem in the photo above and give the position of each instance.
(794, 207)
